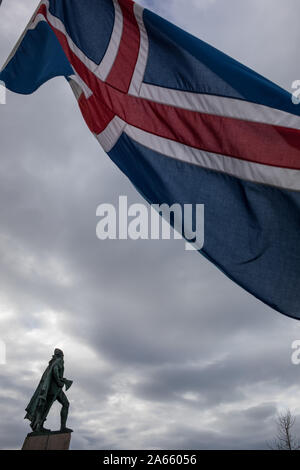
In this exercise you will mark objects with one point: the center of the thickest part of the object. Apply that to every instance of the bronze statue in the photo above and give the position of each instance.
(50, 389)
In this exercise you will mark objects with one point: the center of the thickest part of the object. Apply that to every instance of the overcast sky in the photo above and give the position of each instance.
(164, 350)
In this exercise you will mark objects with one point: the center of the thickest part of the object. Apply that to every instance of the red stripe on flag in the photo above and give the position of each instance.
(96, 118)
(246, 140)
(42, 10)
(122, 71)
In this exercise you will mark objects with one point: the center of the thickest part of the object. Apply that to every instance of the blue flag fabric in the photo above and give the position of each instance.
(187, 124)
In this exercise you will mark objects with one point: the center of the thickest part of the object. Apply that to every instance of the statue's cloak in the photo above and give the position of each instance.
(39, 397)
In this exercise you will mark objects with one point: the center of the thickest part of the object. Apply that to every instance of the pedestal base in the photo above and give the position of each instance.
(54, 440)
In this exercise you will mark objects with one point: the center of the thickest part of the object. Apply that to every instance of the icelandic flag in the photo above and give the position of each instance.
(187, 124)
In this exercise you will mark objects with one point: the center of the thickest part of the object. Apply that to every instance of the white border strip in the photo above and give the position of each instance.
(255, 172)
(140, 67)
(109, 58)
(37, 20)
(111, 134)
(220, 106)
(82, 85)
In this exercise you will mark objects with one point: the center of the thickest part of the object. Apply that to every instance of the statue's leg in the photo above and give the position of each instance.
(62, 399)
(44, 414)
(48, 405)
(37, 423)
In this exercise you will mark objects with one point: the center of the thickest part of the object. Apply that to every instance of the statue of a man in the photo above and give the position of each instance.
(50, 389)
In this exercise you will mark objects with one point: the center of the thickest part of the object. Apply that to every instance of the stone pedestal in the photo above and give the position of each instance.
(54, 440)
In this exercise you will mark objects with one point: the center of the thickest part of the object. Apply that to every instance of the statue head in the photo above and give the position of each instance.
(58, 353)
